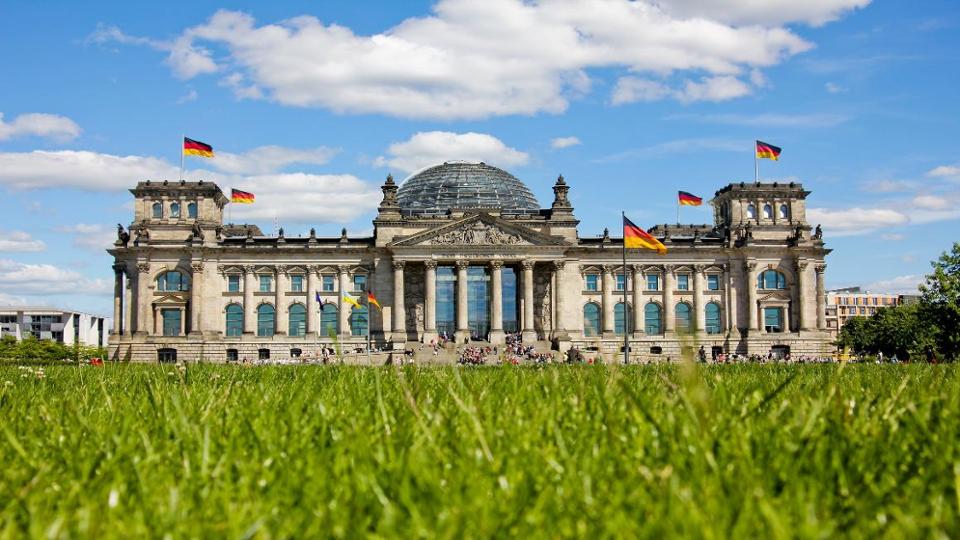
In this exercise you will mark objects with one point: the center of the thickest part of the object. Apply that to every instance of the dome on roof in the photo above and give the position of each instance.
(464, 185)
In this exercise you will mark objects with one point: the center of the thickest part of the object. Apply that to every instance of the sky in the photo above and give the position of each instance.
(310, 105)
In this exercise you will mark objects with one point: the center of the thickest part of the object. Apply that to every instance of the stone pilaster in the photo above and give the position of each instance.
(196, 298)
(637, 300)
(669, 311)
(144, 300)
(803, 321)
(700, 314)
(249, 307)
(462, 334)
(313, 309)
(560, 320)
(117, 300)
(528, 334)
(607, 302)
(497, 335)
(399, 309)
(430, 302)
(345, 308)
(821, 298)
(280, 288)
(750, 284)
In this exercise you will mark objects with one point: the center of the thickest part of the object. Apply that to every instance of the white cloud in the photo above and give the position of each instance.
(769, 12)
(932, 202)
(267, 159)
(51, 126)
(945, 171)
(892, 237)
(47, 279)
(854, 221)
(814, 120)
(192, 95)
(722, 88)
(834, 88)
(10, 300)
(898, 285)
(479, 58)
(432, 147)
(19, 241)
(564, 142)
(94, 237)
(302, 197)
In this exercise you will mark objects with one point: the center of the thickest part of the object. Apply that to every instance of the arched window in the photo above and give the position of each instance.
(591, 319)
(784, 212)
(328, 320)
(298, 320)
(767, 211)
(358, 321)
(266, 316)
(192, 210)
(682, 312)
(173, 281)
(175, 210)
(771, 279)
(652, 319)
(621, 320)
(157, 210)
(712, 312)
(234, 320)
(751, 211)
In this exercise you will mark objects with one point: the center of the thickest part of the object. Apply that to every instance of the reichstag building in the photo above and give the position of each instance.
(465, 251)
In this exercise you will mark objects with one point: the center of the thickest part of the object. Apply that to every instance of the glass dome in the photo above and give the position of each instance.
(464, 185)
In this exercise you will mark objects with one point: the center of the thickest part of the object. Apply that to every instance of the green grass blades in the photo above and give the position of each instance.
(740, 451)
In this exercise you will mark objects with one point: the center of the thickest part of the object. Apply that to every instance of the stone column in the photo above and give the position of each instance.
(750, 283)
(821, 298)
(637, 300)
(128, 307)
(803, 322)
(669, 313)
(183, 320)
(399, 307)
(157, 321)
(144, 300)
(607, 302)
(700, 314)
(430, 302)
(196, 298)
(730, 313)
(528, 334)
(117, 300)
(497, 335)
(312, 307)
(249, 309)
(463, 328)
(280, 288)
(560, 298)
(345, 308)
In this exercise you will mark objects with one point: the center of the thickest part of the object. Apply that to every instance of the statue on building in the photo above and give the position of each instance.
(218, 231)
(818, 233)
(280, 233)
(748, 231)
(123, 237)
(196, 233)
(313, 233)
(142, 233)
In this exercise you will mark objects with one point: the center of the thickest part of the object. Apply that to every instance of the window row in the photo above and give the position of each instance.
(782, 213)
(652, 318)
(173, 210)
(298, 283)
(684, 282)
(297, 320)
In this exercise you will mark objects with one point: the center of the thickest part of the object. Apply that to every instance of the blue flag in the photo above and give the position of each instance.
(319, 300)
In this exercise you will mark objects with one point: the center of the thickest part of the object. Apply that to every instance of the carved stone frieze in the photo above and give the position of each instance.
(477, 233)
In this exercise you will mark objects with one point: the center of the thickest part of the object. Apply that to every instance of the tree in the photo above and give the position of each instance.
(940, 302)
(855, 336)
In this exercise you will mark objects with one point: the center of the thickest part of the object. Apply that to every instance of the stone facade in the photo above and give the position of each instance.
(189, 287)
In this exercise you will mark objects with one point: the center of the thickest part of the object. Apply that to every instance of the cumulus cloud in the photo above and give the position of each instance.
(46, 279)
(854, 221)
(51, 126)
(480, 58)
(564, 142)
(897, 285)
(91, 236)
(834, 88)
(192, 95)
(266, 159)
(432, 147)
(945, 171)
(297, 196)
(19, 241)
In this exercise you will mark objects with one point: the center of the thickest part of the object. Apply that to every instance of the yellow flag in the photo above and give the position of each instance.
(346, 297)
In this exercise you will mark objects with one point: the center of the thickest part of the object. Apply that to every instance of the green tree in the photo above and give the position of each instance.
(940, 302)
(855, 336)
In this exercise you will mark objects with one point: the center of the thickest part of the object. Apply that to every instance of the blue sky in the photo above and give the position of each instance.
(310, 104)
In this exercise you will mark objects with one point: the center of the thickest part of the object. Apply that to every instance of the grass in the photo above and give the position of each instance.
(589, 451)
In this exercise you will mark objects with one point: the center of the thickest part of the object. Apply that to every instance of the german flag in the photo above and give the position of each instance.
(196, 148)
(241, 197)
(688, 199)
(767, 151)
(636, 238)
(371, 299)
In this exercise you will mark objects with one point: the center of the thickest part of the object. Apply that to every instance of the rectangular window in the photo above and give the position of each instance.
(863, 311)
(171, 322)
(856, 300)
(265, 283)
(773, 319)
(683, 282)
(327, 284)
(653, 282)
(359, 282)
(621, 282)
(713, 282)
(233, 283)
(296, 283)
(592, 281)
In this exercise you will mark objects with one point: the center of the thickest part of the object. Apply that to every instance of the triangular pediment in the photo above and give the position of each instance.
(171, 299)
(479, 230)
(778, 296)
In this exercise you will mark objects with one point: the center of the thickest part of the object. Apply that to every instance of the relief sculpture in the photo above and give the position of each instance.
(477, 233)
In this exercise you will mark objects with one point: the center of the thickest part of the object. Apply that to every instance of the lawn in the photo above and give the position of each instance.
(740, 451)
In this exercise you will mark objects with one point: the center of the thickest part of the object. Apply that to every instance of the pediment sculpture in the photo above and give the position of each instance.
(478, 233)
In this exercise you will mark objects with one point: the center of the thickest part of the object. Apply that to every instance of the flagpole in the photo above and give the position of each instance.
(756, 164)
(369, 319)
(626, 317)
(182, 137)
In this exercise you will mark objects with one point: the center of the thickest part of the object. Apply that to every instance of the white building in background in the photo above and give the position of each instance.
(61, 325)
